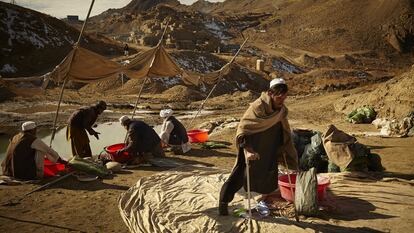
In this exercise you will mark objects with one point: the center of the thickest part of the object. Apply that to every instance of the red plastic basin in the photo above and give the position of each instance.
(283, 181)
(52, 169)
(197, 135)
(112, 149)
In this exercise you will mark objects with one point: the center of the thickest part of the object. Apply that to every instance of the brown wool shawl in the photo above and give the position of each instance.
(259, 117)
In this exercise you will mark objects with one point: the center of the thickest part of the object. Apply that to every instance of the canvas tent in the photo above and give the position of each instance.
(82, 65)
(85, 66)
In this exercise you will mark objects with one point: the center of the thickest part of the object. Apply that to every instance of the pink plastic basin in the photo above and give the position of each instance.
(197, 135)
(283, 181)
(112, 149)
(52, 169)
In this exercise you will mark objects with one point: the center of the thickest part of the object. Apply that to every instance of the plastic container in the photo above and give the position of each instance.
(52, 169)
(198, 135)
(112, 149)
(283, 181)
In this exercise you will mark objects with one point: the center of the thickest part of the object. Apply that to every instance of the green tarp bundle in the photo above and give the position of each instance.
(310, 149)
(361, 115)
(213, 145)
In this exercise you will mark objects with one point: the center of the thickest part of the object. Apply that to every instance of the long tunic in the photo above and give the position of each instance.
(141, 138)
(25, 156)
(173, 132)
(264, 171)
(265, 130)
(79, 122)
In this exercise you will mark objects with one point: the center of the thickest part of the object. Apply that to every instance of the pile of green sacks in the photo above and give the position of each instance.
(365, 114)
(309, 145)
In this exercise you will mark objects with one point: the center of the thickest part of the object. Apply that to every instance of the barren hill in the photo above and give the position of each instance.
(33, 43)
(327, 26)
(300, 30)
(394, 98)
(203, 6)
(143, 5)
(247, 6)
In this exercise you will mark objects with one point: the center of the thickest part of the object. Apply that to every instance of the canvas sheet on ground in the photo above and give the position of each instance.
(185, 200)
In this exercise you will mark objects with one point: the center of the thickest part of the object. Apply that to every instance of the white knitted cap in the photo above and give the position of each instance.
(123, 119)
(166, 113)
(28, 125)
(277, 81)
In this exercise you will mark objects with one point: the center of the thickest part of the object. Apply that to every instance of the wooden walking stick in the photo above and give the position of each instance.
(291, 189)
(248, 195)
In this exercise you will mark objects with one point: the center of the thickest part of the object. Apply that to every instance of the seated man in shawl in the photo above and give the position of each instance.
(79, 122)
(25, 154)
(142, 141)
(173, 133)
(263, 135)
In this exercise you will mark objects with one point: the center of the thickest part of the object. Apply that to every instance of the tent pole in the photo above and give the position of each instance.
(146, 77)
(57, 112)
(202, 104)
(136, 105)
(215, 85)
(163, 33)
(64, 81)
(84, 23)
(139, 96)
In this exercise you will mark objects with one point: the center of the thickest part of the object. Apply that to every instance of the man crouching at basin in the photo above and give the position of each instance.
(25, 154)
(142, 140)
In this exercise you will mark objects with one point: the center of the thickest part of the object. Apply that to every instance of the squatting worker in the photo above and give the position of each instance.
(79, 122)
(25, 154)
(262, 136)
(173, 132)
(142, 141)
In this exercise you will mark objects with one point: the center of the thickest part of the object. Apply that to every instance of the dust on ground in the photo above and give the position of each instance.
(92, 207)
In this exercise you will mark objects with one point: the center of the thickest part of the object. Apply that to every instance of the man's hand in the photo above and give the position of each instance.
(119, 152)
(283, 111)
(60, 160)
(96, 135)
(249, 154)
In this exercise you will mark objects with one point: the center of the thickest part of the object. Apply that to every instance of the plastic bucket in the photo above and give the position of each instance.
(112, 149)
(52, 169)
(283, 181)
(197, 135)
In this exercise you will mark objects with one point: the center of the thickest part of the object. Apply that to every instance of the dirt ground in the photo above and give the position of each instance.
(73, 206)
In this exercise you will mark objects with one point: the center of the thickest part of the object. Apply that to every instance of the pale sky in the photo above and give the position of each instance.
(62, 8)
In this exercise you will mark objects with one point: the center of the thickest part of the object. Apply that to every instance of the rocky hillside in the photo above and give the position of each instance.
(394, 98)
(319, 45)
(138, 6)
(33, 43)
(370, 33)
(188, 29)
(203, 6)
(327, 26)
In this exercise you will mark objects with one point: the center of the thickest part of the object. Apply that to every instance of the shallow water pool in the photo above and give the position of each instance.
(111, 133)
